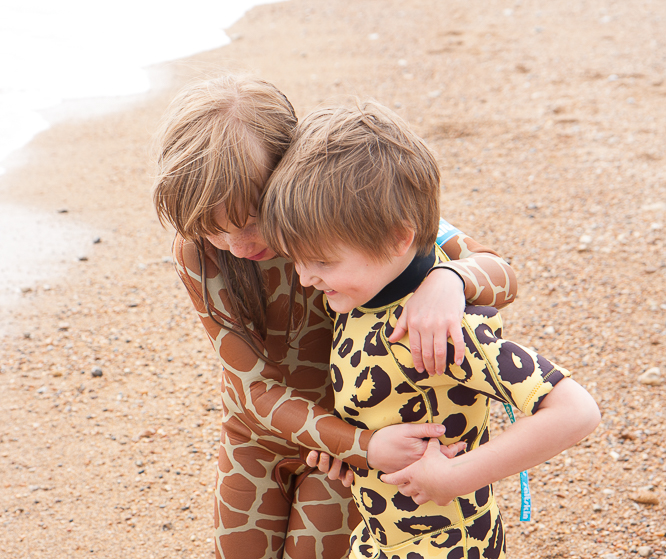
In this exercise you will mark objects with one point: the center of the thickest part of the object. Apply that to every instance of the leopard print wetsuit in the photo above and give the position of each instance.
(376, 384)
(268, 503)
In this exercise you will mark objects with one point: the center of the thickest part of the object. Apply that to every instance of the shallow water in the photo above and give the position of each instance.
(36, 247)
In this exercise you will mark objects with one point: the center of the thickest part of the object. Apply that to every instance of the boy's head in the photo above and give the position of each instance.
(217, 145)
(358, 177)
(357, 185)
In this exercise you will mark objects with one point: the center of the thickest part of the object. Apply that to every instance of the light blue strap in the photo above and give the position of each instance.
(446, 231)
(525, 497)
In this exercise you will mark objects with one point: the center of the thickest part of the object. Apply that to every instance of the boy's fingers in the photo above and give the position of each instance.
(396, 478)
(334, 471)
(452, 450)
(433, 445)
(419, 500)
(425, 430)
(324, 464)
(312, 458)
(348, 479)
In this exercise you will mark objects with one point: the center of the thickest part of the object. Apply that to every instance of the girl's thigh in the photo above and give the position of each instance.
(251, 511)
(322, 518)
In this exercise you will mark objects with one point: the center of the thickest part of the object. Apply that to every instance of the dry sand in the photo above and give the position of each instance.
(547, 119)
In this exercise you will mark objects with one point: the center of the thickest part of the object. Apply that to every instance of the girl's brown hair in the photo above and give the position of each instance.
(217, 144)
(357, 176)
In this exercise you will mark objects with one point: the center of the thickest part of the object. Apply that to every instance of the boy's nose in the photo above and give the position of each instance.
(303, 275)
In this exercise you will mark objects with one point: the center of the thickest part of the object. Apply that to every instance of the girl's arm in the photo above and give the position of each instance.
(475, 275)
(565, 416)
(258, 396)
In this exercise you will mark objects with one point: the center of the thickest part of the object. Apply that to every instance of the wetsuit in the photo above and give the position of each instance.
(268, 503)
(376, 385)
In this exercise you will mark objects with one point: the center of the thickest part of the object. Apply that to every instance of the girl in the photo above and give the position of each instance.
(217, 146)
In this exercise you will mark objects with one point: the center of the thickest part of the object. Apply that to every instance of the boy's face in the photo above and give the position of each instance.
(351, 278)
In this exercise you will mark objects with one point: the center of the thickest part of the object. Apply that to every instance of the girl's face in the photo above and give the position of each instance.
(245, 242)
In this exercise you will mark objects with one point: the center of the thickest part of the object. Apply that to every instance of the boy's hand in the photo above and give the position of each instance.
(333, 467)
(432, 315)
(390, 449)
(394, 447)
(426, 480)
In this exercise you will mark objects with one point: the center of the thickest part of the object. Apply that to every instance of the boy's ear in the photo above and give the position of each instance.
(404, 241)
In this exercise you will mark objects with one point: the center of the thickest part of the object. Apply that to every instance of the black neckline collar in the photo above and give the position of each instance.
(405, 283)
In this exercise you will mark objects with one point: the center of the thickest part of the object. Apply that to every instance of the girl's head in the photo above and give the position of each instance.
(217, 145)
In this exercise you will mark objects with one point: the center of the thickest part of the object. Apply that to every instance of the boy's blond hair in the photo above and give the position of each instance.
(218, 142)
(357, 176)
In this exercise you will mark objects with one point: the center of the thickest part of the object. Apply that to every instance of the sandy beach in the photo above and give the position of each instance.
(548, 122)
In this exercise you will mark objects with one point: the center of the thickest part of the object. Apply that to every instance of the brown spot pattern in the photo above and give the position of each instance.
(270, 411)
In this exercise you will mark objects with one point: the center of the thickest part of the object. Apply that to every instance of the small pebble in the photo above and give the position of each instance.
(645, 498)
(82, 257)
(645, 551)
(596, 508)
(651, 377)
(97, 372)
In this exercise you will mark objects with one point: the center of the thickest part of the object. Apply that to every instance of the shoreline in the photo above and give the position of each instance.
(543, 158)
(58, 241)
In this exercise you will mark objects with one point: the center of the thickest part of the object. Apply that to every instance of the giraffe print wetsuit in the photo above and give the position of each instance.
(268, 503)
(376, 385)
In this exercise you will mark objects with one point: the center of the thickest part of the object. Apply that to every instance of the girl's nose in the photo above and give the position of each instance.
(240, 247)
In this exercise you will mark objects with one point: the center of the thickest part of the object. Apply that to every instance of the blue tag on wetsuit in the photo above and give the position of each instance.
(525, 497)
(445, 232)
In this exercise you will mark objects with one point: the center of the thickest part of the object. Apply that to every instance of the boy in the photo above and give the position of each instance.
(355, 205)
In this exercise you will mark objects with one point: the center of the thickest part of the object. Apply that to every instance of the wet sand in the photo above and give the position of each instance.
(548, 124)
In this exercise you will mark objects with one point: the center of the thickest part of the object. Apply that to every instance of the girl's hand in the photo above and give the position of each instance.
(429, 479)
(432, 315)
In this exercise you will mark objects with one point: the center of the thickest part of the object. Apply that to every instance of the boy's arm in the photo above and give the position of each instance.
(476, 275)
(565, 416)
